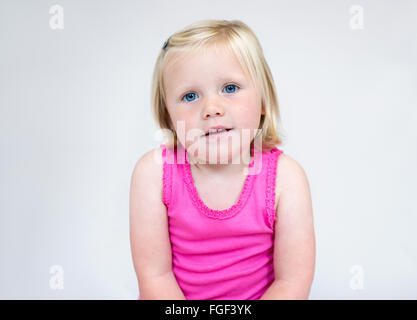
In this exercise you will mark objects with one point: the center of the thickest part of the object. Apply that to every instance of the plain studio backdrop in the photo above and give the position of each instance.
(75, 79)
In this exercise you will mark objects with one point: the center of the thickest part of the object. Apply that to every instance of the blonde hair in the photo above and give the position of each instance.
(238, 37)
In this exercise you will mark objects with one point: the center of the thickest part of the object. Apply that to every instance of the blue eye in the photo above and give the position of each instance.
(189, 95)
(231, 87)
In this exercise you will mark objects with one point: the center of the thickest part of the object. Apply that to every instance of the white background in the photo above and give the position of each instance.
(75, 117)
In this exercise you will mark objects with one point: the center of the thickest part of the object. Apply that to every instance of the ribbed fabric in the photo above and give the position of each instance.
(221, 254)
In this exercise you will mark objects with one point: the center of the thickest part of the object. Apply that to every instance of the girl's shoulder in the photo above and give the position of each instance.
(288, 170)
(150, 165)
(151, 160)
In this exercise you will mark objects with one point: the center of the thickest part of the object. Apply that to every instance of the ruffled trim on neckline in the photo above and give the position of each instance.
(212, 213)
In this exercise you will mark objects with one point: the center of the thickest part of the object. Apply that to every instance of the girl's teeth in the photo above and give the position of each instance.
(215, 131)
(219, 130)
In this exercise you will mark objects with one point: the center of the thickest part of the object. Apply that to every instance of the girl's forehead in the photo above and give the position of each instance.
(184, 59)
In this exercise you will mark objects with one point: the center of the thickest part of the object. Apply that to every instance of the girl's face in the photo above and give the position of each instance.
(209, 89)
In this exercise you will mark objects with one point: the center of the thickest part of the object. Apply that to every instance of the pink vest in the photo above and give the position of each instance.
(221, 254)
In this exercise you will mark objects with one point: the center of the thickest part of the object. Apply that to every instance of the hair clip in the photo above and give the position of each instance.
(166, 43)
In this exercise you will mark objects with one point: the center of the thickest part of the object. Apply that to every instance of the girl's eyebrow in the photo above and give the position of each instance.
(233, 78)
(183, 89)
(224, 79)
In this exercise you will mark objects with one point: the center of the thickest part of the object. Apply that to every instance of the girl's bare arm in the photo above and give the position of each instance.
(294, 247)
(149, 235)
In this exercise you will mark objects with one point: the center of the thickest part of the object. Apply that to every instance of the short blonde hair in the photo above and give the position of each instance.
(238, 37)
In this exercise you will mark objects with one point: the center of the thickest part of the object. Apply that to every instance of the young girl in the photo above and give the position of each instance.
(238, 228)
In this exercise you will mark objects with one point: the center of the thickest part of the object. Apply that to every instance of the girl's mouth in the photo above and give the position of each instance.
(217, 135)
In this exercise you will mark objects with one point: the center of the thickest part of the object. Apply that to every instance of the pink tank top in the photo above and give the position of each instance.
(221, 254)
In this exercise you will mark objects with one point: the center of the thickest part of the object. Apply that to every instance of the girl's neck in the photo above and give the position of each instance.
(234, 166)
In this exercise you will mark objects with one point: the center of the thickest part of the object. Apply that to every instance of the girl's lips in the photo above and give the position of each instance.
(216, 136)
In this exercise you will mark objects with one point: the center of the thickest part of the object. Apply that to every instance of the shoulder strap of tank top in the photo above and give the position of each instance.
(167, 176)
(270, 186)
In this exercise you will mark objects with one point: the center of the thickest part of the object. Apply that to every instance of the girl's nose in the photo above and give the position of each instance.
(212, 109)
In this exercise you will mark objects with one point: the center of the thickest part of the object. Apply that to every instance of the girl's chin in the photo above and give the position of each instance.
(222, 155)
